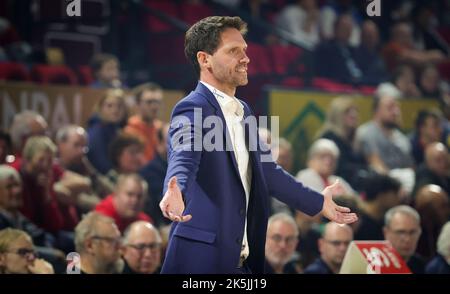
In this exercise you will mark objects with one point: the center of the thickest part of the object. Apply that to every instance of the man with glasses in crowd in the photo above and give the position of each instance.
(332, 246)
(142, 249)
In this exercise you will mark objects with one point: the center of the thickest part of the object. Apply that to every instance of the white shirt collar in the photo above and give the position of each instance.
(221, 97)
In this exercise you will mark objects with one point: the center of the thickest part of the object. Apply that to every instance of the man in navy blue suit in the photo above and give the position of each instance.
(218, 196)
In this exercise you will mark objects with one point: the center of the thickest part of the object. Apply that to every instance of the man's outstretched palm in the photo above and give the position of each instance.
(172, 205)
(334, 212)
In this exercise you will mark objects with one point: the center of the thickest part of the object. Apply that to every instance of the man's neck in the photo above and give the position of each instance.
(230, 91)
(373, 210)
(334, 268)
(146, 120)
(385, 130)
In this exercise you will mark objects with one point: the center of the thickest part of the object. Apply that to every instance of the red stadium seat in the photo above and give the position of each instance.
(53, 74)
(154, 24)
(85, 75)
(259, 60)
(13, 72)
(331, 86)
(286, 59)
(191, 13)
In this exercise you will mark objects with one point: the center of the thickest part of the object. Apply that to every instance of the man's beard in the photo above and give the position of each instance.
(390, 125)
(115, 267)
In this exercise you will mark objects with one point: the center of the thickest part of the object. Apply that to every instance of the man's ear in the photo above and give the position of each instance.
(88, 245)
(203, 59)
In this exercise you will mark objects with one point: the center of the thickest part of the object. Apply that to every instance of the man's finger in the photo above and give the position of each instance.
(342, 209)
(174, 217)
(186, 218)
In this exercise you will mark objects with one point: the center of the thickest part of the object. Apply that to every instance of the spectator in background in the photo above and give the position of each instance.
(126, 153)
(125, 205)
(380, 194)
(402, 229)
(145, 124)
(154, 173)
(301, 19)
(141, 249)
(400, 49)
(431, 85)
(367, 55)
(332, 246)
(435, 170)
(17, 255)
(433, 205)
(335, 59)
(380, 141)
(322, 158)
(5, 147)
(98, 241)
(428, 129)
(25, 125)
(340, 127)
(72, 142)
(106, 70)
(331, 12)
(103, 127)
(404, 79)
(281, 241)
(440, 264)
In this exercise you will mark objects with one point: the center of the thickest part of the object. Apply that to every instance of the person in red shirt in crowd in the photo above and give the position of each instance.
(145, 124)
(25, 125)
(125, 205)
(48, 198)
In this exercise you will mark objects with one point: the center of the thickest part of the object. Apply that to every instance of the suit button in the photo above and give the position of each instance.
(239, 241)
(242, 212)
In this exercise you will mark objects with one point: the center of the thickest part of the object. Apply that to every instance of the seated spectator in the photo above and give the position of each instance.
(332, 246)
(103, 127)
(340, 127)
(433, 205)
(368, 56)
(125, 205)
(430, 83)
(281, 241)
(435, 170)
(282, 154)
(428, 129)
(440, 264)
(47, 203)
(154, 174)
(106, 70)
(383, 145)
(98, 241)
(380, 194)
(5, 147)
(17, 255)
(72, 142)
(335, 59)
(310, 233)
(145, 124)
(141, 249)
(301, 19)
(25, 124)
(404, 79)
(400, 49)
(402, 229)
(126, 154)
(322, 158)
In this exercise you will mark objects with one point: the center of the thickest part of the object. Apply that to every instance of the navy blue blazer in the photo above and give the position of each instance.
(214, 195)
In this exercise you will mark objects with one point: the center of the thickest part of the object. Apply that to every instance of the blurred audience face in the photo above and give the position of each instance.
(73, 149)
(324, 163)
(402, 33)
(436, 159)
(351, 118)
(433, 205)
(112, 110)
(150, 104)
(429, 79)
(431, 130)
(129, 197)
(105, 247)
(403, 232)
(281, 242)
(143, 249)
(388, 112)
(370, 37)
(19, 257)
(11, 193)
(132, 159)
(334, 243)
(344, 27)
(41, 163)
(308, 5)
(109, 72)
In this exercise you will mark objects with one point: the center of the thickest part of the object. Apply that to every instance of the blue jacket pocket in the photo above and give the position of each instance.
(195, 234)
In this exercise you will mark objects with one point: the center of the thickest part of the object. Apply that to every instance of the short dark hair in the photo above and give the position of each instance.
(205, 36)
(426, 113)
(100, 59)
(139, 90)
(375, 184)
(118, 145)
